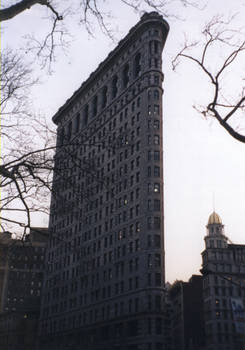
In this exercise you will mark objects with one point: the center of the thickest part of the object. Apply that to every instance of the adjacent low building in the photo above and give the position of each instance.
(187, 321)
(21, 276)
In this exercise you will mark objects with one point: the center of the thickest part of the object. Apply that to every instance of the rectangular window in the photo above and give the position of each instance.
(156, 155)
(77, 122)
(156, 140)
(149, 223)
(148, 171)
(156, 187)
(156, 125)
(149, 110)
(149, 155)
(157, 260)
(157, 222)
(156, 204)
(156, 171)
(156, 79)
(157, 279)
(157, 241)
(156, 109)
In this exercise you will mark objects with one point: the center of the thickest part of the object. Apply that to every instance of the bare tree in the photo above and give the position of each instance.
(87, 13)
(26, 159)
(219, 53)
(27, 162)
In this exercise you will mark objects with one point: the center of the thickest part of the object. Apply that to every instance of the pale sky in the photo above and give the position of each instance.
(201, 160)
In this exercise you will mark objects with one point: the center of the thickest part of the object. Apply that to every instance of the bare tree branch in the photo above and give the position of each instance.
(231, 43)
(10, 12)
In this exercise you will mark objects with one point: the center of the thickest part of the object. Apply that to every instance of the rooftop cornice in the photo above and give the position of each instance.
(147, 18)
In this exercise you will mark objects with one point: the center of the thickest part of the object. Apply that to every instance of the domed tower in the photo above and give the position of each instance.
(215, 237)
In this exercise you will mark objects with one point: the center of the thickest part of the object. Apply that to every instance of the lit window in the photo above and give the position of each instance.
(157, 187)
(156, 140)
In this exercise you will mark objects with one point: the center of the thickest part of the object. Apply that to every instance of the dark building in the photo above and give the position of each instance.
(187, 314)
(223, 271)
(21, 277)
(105, 283)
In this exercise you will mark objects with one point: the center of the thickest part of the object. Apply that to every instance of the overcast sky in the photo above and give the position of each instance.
(201, 161)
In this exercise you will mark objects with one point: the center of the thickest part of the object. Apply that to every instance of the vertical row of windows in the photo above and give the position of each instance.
(154, 47)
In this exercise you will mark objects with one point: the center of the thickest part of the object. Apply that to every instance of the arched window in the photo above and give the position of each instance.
(150, 47)
(138, 101)
(114, 86)
(156, 46)
(137, 65)
(77, 122)
(156, 94)
(85, 115)
(95, 103)
(125, 76)
(69, 131)
(104, 96)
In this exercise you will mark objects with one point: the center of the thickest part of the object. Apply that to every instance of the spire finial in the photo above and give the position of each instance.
(213, 201)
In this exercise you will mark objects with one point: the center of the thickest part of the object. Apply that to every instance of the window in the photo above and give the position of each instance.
(85, 115)
(156, 46)
(137, 210)
(77, 122)
(156, 124)
(114, 86)
(156, 204)
(156, 95)
(156, 109)
(125, 75)
(156, 140)
(137, 65)
(156, 155)
(149, 223)
(137, 227)
(149, 155)
(133, 107)
(69, 131)
(95, 102)
(157, 279)
(157, 260)
(156, 187)
(138, 102)
(104, 96)
(137, 246)
(157, 223)
(149, 204)
(157, 241)
(156, 171)
(156, 79)
(151, 47)
(148, 171)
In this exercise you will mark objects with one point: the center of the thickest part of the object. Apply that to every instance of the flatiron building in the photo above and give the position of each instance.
(104, 287)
